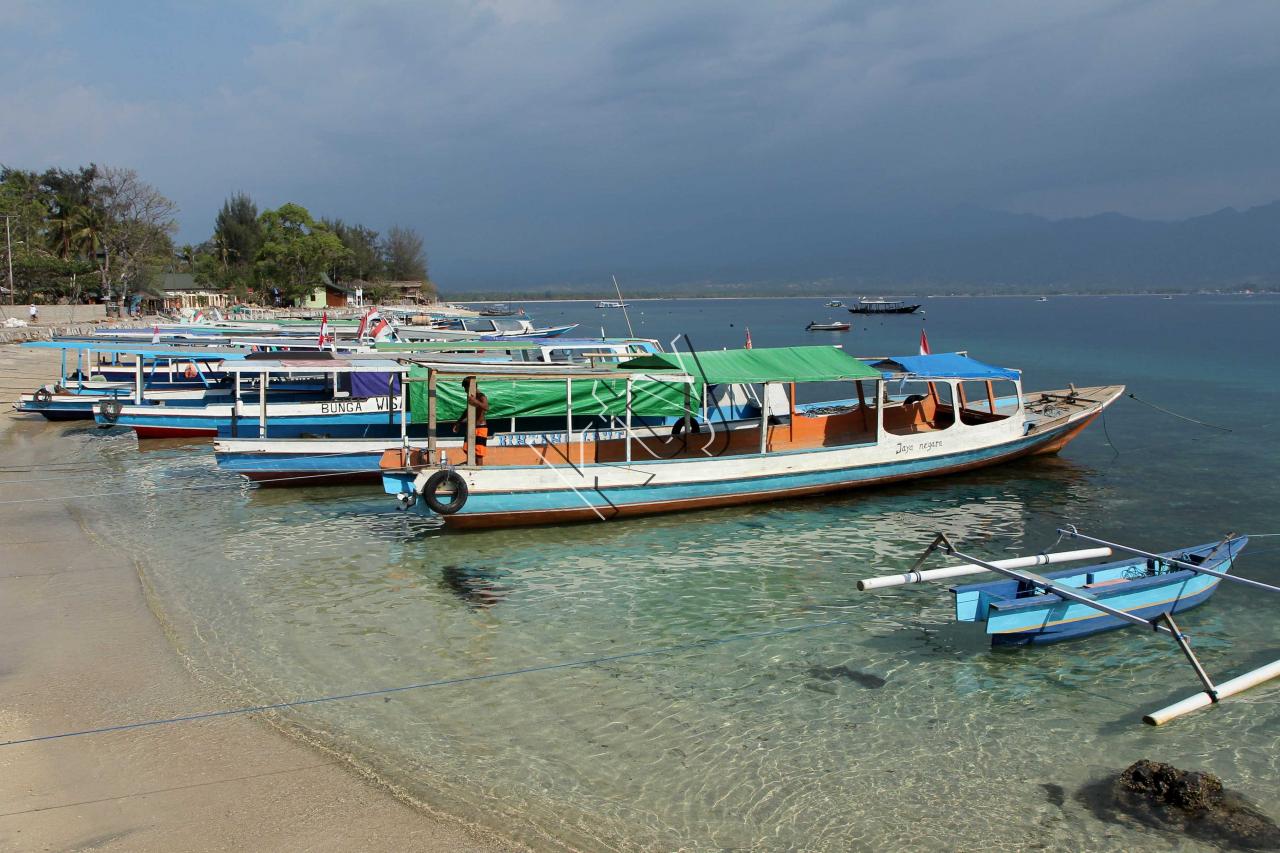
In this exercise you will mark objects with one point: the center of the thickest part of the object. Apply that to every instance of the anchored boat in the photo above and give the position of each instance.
(946, 416)
(882, 306)
(826, 327)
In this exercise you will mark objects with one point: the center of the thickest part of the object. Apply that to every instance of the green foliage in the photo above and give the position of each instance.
(405, 258)
(295, 251)
(237, 232)
(365, 262)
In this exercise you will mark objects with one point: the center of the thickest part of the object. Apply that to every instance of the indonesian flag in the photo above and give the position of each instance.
(199, 317)
(924, 343)
(381, 330)
(155, 334)
(748, 344)
(366, 322)
(324, 329)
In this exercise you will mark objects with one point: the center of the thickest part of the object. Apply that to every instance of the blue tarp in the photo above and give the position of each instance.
(949, 365)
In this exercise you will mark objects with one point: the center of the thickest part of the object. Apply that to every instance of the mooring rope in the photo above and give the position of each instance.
(442, 682)
(1136, 399)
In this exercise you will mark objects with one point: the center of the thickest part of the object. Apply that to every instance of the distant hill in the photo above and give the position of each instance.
(999, 251)
(974, 250)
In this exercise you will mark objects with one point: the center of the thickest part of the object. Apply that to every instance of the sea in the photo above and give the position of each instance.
(713, 680)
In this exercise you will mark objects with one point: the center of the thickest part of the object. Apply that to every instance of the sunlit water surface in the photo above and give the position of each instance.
(877, 724)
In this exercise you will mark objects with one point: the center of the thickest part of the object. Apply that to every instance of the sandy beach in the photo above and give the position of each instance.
(80, 648)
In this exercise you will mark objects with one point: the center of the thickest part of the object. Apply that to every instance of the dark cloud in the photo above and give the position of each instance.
(536, 140)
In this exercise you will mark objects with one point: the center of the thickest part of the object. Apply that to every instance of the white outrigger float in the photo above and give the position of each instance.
(913, 416)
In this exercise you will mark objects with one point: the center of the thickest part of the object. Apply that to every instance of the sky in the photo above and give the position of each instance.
(537, 141)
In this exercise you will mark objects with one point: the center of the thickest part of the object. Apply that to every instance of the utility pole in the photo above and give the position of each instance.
(8, 251)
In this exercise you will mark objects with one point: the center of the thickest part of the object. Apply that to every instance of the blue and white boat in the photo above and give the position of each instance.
(1017, 612)
(913, 416)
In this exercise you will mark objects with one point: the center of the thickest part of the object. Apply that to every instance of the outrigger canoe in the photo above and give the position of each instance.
(1016, 612)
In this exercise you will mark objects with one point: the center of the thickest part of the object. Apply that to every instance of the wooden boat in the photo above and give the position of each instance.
(481, 328)
(352, 407)
(1016, 612)
(827, 327)
(611, 303)
(835, 303)
(958, 423)
(882, 306)
(498, 309)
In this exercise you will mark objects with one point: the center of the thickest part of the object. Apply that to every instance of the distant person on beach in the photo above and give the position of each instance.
(477, 398)
(33, 313)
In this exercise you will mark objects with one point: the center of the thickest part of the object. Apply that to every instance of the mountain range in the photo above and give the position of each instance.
(975, 250)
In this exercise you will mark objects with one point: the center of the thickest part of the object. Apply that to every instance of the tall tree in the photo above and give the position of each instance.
(405, 258)
(295, 251)
(365, 261)
(237, 231)
(137, 237)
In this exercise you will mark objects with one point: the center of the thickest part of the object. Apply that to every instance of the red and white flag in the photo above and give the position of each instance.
(381, 330)
(368, 321)
(155, 334)
(324, 329)
(924, 343)
(748, 344)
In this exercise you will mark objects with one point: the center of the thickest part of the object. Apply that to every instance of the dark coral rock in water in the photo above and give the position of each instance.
(1189, 803)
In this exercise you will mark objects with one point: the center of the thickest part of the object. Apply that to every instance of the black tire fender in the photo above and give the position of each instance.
(677, 429)
(431, 492)
(110, 410)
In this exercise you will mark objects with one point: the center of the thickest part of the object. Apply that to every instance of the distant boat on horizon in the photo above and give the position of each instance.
(883, 306)
(611, 303)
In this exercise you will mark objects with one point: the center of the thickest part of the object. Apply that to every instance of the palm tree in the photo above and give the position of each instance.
(88, 233)
(61, 227)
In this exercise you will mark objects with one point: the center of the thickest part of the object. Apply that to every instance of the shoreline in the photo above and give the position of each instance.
(83, 648)
(465, 300)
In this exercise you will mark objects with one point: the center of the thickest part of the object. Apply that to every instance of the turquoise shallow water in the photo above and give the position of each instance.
(891, 728)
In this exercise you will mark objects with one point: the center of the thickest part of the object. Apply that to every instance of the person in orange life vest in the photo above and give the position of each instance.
(477, 398)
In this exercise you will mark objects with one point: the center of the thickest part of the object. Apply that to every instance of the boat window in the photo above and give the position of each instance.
(987, 402)
(915, 406)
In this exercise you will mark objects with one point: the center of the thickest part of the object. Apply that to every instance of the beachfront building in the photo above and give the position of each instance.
(180, 290)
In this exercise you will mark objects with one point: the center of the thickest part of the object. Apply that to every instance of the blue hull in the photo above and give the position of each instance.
(500, 509)
(1016, 614)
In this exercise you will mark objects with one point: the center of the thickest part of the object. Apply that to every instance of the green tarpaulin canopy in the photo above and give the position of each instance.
(545, 397)
(774, 364)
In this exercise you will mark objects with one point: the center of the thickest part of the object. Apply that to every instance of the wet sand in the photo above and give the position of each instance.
(80, 648)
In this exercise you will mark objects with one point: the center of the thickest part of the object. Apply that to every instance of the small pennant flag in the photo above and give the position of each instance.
(324, 329)
(155, 334)
(748, 344)
(924, 343)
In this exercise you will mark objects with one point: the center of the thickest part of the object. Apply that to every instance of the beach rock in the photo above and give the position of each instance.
(1191, 803)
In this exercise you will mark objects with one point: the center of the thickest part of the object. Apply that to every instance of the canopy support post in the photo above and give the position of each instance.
(568, 420)
(991, 397)
(431, 415)
(470, 384)
(137, 381)
(628, 427)
(764, 418)
(235, 405)
(404, 414)
(262, 404)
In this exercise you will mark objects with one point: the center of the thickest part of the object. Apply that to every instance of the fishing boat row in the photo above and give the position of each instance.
(492, 430)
